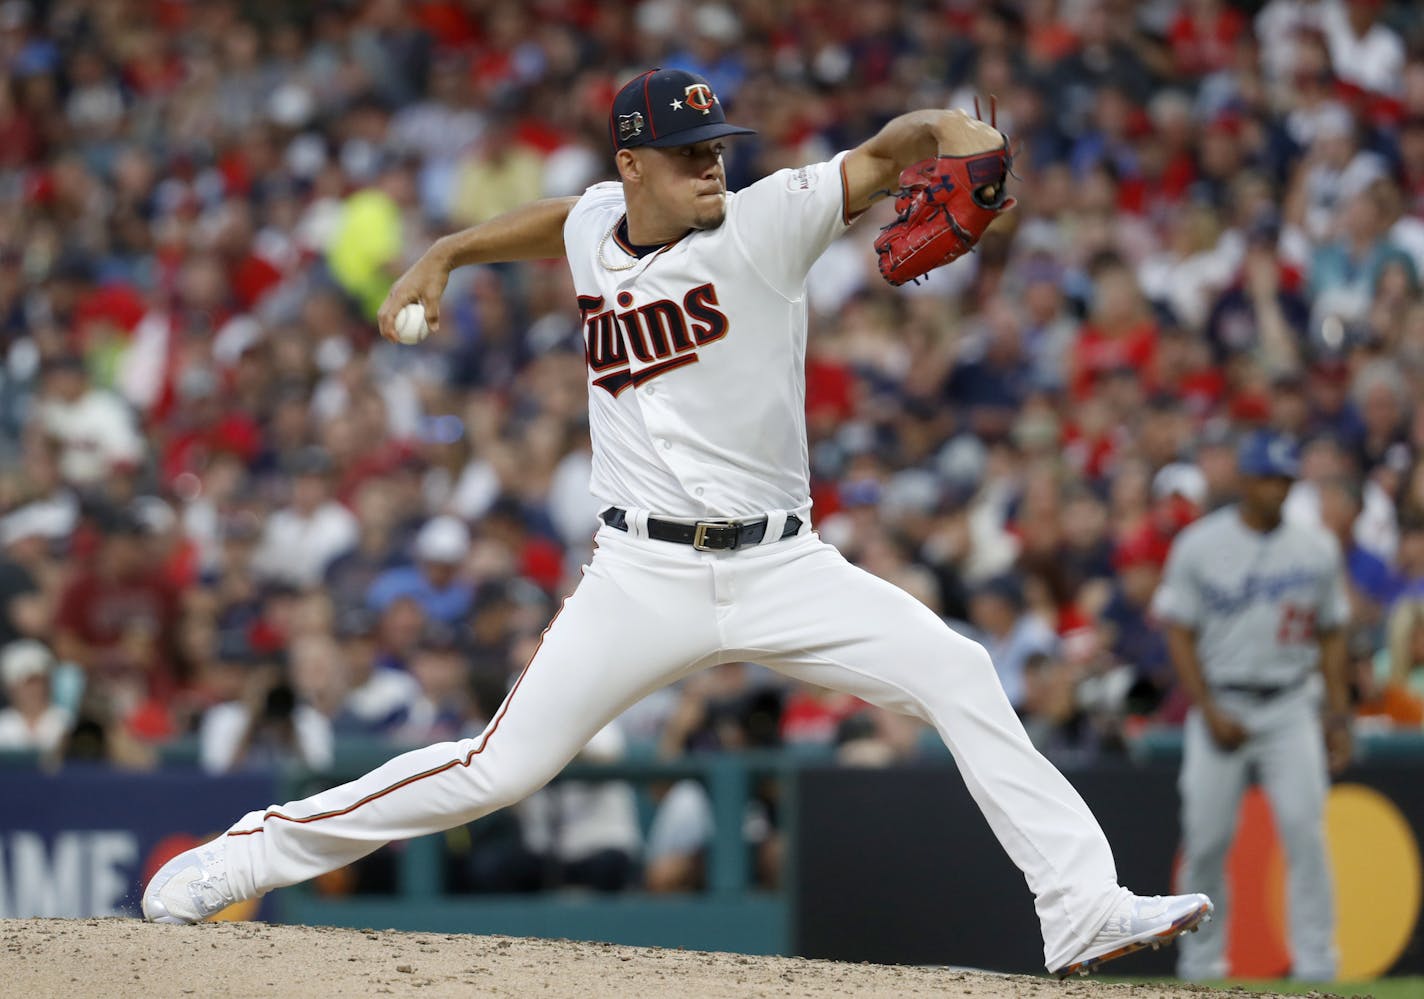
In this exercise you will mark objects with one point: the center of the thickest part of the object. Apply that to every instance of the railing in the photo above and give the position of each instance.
(727, 777)
(732, 913)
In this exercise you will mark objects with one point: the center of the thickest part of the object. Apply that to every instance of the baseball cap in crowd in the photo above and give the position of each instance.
(667, 107)
(1268, 454)
(1180, 479)
(443, 539)
(23, 659)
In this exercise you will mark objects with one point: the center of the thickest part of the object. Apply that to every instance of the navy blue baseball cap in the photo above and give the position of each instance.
(667, 107)
(1268, 454)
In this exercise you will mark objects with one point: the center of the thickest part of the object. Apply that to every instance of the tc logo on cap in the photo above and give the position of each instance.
(629, 125)
(651, 110)
(700, 97)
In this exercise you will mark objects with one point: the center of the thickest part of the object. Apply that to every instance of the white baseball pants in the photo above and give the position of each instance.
(1287, 750)
(649, 612)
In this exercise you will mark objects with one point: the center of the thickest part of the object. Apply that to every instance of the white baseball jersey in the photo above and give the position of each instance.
(696, 400)
(696, 396)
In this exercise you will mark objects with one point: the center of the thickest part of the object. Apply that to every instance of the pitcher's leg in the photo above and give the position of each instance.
(1211, 784)
(584, 673)
(869, 638)
(1294, 774)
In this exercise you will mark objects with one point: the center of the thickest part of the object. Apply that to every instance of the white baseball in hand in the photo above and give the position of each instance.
(410, 323)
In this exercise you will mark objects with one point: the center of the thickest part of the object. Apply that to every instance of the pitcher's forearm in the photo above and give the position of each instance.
(530, 232)
(874, 166)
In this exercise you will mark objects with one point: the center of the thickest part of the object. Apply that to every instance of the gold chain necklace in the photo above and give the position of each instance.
(603, 243)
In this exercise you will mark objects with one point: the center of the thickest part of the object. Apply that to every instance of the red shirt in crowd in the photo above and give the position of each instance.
(1202, 45)
(103, 613)
(1096, 353)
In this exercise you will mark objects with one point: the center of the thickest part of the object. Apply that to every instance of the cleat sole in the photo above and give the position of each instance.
(1189, 923)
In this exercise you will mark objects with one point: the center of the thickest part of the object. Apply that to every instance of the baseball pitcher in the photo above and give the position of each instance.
(694, 320)
(1255, 609)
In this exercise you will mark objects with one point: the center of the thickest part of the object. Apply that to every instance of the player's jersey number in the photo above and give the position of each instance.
(1297, 626)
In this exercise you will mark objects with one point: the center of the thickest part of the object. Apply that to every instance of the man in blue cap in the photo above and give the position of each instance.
(1255, 611)
(693, 307)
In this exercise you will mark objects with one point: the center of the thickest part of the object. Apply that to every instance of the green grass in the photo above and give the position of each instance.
(1381, 988)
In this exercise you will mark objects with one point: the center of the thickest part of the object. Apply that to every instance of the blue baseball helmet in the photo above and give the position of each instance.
(1268, 454)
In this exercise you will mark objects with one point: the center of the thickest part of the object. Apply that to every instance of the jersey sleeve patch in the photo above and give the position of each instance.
(800, 180)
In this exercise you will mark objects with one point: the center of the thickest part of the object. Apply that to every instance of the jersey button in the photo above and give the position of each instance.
(667, 445)
(698, 490)
(651, 390)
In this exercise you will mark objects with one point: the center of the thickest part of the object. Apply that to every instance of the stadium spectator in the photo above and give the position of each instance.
(1363, 50)
(1369, 576)
(118, 620)
(435, 581)
(1132, 636)
(267, 727)
(999, 611)
(33, 720)
(319, 673)
(24, 609)
(91, 426)
(1119, 334)
(585, 834)
(1407, 581)
(380, 698)
(1394, 684)
(445, 704)
(303, 538)
(728, 707)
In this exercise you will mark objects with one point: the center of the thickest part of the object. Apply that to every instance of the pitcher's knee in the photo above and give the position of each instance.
(506, 780)
(505, 786)
(972, 663)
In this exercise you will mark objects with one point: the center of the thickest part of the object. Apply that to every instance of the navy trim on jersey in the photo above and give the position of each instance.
(846, 217)
(620, 236)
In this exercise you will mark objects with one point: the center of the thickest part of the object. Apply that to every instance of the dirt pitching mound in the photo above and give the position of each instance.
(126, 957)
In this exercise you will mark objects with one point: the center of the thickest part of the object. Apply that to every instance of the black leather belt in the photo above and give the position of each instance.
(705, 535)
(1264, 691)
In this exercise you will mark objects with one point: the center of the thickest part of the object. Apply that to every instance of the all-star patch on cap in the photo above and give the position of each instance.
(668, 107)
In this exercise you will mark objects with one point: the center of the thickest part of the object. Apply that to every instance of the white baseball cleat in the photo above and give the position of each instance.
(1139, 922)
(190, 887)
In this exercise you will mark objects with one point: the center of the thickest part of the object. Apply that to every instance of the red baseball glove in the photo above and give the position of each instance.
(944, 205)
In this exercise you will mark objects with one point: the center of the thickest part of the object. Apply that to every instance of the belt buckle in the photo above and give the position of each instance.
(699, 535)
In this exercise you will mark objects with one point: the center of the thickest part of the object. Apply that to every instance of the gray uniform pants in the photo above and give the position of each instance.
(1287, 752)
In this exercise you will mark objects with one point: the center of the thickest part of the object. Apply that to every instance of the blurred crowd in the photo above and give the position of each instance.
(230, 512)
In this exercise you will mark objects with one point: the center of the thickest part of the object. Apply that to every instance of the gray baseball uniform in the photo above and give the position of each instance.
(1257, 603)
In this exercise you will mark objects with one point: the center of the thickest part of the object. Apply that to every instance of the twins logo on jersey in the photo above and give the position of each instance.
(662, 335)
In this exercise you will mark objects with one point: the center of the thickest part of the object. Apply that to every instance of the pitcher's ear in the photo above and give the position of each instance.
(630, 167)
